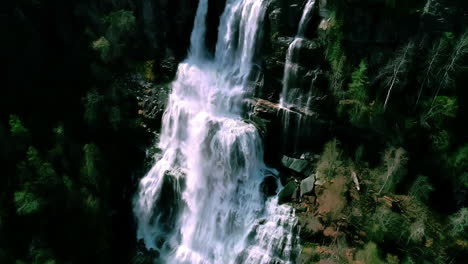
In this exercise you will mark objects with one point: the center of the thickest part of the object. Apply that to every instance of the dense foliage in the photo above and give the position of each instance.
(404, 101)
(71, 140)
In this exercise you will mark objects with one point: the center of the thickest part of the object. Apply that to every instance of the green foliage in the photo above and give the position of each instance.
(355, 104)
(460, 159)
(115, 117)
(146, 70)
(27, 203)
(454, 61)
(417, 230)
(92, 104)
(441, 141)
(395, 74)
(41, 202)
(384, 224)
(332, 37)
(459, 163)
(44, 170)
(359, 154)
(369, 254)
(392, 171)
(16, 126)
(359, 83)
(89, 170)
(459, 223)
(443, 62)
(329, 160)
(408, 260)
(120, 25)
(42, 256)
(90, 202)
(103, 46)
(391, 259)
(441, 109)
(68, 182)
(421, 188)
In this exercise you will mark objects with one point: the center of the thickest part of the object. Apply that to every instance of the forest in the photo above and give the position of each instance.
(366, 141)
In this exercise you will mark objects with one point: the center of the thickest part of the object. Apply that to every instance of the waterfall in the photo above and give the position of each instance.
(305, 19)
(202, 202)
(294, 101)
(197, 39)
(291, 94)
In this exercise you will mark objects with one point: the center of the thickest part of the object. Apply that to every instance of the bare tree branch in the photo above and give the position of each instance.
(459, 51)
(398, 65)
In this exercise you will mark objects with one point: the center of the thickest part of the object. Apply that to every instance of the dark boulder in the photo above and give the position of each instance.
(289, 193)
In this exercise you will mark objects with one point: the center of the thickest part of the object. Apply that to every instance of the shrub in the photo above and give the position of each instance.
(421, 188)
(120, 26)
(441, 109)
(384, 224)
(120, 23)
(27, 203)
(460, 159)
(92, 104)
(103, 46)
(458, 222)
(356, 97)
(394, 162)
(16, 126)
(329, 160)
(332, 38)
(417, 231)
(441, 141)
(369, 254)
(89, 170)
(459, 163)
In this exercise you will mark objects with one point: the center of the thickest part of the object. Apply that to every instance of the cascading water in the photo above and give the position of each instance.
(291, 94)
(294, 101)
(202, 202)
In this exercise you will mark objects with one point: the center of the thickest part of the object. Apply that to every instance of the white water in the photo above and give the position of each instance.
(291, 94)
(202, 202)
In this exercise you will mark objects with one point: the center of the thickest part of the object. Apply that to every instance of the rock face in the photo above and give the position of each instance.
(289, 193)
(307, 185)
(295, 136)
(301, 166)
(281, 25)
(167, 26)
(152, 102)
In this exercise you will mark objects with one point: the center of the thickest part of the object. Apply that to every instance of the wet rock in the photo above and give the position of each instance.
(285, 15)
(152, 102)
(144, 255)
(169, 201)
(264, 109)
(307, 185)
(269, 186)
(288, 194)
(275, 21)
(303, 167)
(167, 25)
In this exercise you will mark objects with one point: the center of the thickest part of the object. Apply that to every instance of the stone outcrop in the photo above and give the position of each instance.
(289, 193)
(307, 185)
(152, 100)
(302, 166)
